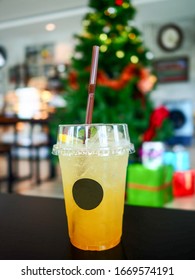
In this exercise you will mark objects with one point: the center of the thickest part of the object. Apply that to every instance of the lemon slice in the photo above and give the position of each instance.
(64, 138)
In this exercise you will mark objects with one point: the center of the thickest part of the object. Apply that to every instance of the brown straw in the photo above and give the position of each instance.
(92, 84)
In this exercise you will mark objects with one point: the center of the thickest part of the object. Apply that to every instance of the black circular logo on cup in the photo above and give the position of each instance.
(87, 193)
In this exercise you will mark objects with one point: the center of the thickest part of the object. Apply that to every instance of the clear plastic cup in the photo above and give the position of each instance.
(93, 161)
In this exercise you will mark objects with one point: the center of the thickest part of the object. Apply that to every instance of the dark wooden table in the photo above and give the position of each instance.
(35, 228)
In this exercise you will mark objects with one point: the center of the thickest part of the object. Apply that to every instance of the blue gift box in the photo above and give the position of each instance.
(180, 160)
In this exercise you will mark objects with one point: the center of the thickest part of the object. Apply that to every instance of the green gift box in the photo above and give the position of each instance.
(149, 187)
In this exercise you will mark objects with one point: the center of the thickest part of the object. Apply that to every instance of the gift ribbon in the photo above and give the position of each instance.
(188, 180)
(147, 188)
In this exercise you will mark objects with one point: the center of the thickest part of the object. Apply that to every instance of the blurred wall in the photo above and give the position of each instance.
(180, 90)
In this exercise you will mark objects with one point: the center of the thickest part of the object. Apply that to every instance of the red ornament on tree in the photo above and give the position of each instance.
(119, 2)
(156, 120)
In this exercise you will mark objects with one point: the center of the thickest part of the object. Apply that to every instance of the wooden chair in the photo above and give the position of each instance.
(6, 150)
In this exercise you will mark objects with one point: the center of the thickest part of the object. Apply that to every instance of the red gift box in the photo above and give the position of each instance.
(183, 183)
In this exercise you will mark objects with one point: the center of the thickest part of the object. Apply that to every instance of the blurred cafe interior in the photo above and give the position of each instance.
(36, 46)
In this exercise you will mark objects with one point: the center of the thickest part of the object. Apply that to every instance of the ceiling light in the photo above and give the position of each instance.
(50, 27)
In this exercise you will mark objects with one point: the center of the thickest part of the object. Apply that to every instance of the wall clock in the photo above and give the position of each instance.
(170, 37)
(3, 56)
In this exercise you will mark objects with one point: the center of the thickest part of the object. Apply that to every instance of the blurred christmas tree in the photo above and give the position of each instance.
(124, 78)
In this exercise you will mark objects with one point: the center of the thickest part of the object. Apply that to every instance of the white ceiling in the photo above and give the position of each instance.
(13, 10)
(24, 17)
